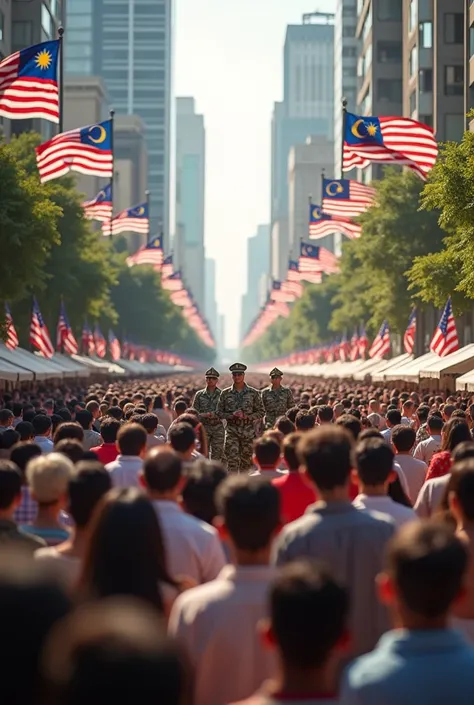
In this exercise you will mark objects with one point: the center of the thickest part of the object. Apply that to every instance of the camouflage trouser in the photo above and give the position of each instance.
(238, 450)
(215, 439)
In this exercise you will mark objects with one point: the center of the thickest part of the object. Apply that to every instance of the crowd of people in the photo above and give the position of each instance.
(166, 541)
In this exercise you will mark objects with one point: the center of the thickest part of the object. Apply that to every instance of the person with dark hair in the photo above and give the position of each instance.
(304, 421)
(267, 458)
(131, 443)
(427, 448)
(179, 408)
(91, 438)
(21, 455)
(8, 439)
(374, 473)
(156, 432)
(325, 414)
(89, 483)
(351, 424)
(216, 622)
(114, 412)
(10, 499)
(454, 432)
(182, 439)
(6, 419)
(70, 430)
(65, 414)
(393, 418)
(296, 494)
(93, 407)
(284, 425)
(336, 532)
(291, 413)
(163, 415)
(71, 448)
(108, 451)
(422, 660)
(192, 546)
(307, 628)
(42, 425)
(105, 651)
(421, 416)
(198, 493)
(25, 430)
(414, 471)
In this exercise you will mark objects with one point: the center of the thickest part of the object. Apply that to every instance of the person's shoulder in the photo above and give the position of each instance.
(226, 391)
(30, 539)
(198, 526)
(199, 393)
(253, 390)
(197, 598)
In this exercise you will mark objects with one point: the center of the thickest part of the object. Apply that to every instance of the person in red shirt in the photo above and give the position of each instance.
(108, 451)
(295, 493)
(454, 432)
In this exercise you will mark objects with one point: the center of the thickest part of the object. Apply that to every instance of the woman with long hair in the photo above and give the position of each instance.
(454, 432)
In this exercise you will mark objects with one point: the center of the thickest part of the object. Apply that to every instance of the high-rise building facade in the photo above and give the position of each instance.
(346, 51)
(258, 265)
(190, 195)
(469, 64)
(210, 303)
(128, 44)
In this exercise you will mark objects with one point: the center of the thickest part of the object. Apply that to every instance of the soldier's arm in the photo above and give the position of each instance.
(195, 401)
(258, 409)
(221, 413)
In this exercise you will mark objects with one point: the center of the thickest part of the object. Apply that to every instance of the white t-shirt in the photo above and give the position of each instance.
(385, 505)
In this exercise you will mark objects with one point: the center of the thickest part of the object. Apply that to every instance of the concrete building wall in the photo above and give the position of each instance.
(5, 50)
(346, 50)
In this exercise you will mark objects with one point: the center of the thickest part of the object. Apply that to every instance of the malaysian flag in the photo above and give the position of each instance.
(354, 347)
(99, 343)
(321, 224)
(294, 274)
(39, 335)
(29, 83)
(317, 259)
(87, 150)
(279, 294)
(388, 140)
(409, 337)
(100, 208)
(172, 283)
(346, 198)
(64, 336)
(363, 343)
(12, 341)
(114, 346)
(167, 268)
(132, 220)
(381, 344)
(293, 288)
(445, 339)
(151, 253)
(88, 344)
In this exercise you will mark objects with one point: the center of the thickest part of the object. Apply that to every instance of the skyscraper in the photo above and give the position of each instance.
(210, 304)
(345, 69)
(258, 254)
(190, 195)
(128, 44)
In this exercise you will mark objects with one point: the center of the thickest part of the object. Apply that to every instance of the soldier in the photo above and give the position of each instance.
(241, 406)
(206, 402)
(276, 399)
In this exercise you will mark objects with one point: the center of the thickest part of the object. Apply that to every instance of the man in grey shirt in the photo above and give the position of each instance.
(351, 542)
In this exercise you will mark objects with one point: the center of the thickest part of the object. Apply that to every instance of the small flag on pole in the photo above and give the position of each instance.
(445, 339)
(88, 344)
(363, 343)
(99, 342)
(114, 346)
(409, 337)
(132, 220)
(346, 198)
(12, 341)
(100, 208)
(151, 253)
(321, 224)
(64, 336)
(39, 334)
(381, 344)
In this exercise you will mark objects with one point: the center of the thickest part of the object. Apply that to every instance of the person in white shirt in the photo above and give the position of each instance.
(394, 418)
(403, 441)
(426, 449)
(43, 426)
(126, 468)
(408, 413)
(267, 457)
(374, 463)
(217, 623)
(193, 548)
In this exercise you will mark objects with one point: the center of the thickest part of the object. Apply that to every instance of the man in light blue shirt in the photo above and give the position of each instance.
(422, 661)
(43, 425)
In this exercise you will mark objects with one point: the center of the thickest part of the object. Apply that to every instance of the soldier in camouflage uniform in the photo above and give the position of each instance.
(276, 399)
(206, 402)
(241, 406)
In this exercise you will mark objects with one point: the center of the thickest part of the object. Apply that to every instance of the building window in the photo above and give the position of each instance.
(426, 80)
(454, 80)
(389, 10)
(426, 35)
(389, 52)
(412, 15)
(453, 127)
(413, 62)
(426, 120)
(389, 89)
(22, 34)
(348, 31)
(349, 51)
(454, 28)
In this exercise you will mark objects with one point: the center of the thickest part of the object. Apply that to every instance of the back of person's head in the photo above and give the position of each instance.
(42, 424)
(351, 424)
(182, 437)
(448, 410)
(93, 406)
(48, 477)
(455, 431)
(180, 407)
(17, 409)
(284, 425)
(199, 492)
(250, 509)
(158, 402)
(423, 412)
(370, 432)
(327, 455)
(9, 438)
(26, 430)
(403, 438)
(325, 413)
(71, 448)
(394, 417)
(460, 490)
(6, 416)
(10, 483)
(103, 649)
(89, 483)
(162, 470)
(109, 429)
(426, 566)
(463, 451)
(23, 452)
(304, 421)
(131, 439)
(65, 414)
(115, 412)
(435, 424)
(290, 455)
(149, 422)
(68, 429)
(291, 413)
(84, 418)
(374, 461)
(267, 452)
(308, 614)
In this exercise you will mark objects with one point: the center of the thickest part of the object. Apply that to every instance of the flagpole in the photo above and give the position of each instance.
(147, 198)
(344, 121)
(61, 79)
(112, 113)
(323, 173)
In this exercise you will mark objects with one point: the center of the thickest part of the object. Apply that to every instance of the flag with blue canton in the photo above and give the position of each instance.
(100, 207)
(409, 336)
(321, 224)
(346, 198)
(294, 274)
(114, 346)
(388, 140)
(167, 268)
(29, 83)
(381, 344)
(133, 219)
(445, 339)
(151, 253)
(99, 342)
(87, 150)
(39, 334)
(280, 294)
(173, 282)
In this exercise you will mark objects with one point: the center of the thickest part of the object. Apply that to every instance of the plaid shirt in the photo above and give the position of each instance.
(28, 509)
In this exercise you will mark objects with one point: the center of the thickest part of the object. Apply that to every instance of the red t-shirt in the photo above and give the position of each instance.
(296, 496)
(440, 465)
(106, 453)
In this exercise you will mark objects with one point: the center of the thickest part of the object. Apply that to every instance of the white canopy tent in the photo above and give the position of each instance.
(457, 363)
(13, 373)
(409, 371)
(465, 383)
(380, 374)
(40, 367)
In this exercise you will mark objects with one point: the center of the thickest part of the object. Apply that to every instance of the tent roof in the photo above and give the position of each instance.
(465, 382)
(367, 368)
(457, 362)
(40, 366)
(13, 373)
(409, 371)
(72, 368)
(380, 375)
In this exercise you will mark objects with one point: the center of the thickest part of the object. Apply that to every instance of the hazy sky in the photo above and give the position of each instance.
(229, 56)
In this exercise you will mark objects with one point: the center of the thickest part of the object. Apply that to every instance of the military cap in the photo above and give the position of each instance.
(237, 367)
(212, 373)
(276, 372)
